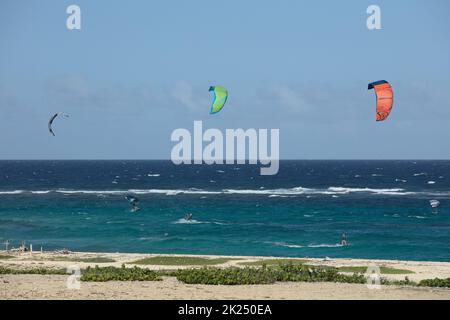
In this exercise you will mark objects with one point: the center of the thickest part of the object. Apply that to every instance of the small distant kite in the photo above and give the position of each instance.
(134, 202)
(385, 98)
(50, 122)
(220, 97)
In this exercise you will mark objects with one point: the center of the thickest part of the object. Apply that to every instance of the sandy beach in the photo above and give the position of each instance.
(31, 286)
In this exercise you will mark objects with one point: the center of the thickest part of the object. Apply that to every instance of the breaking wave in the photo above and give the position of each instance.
(323, 245)
(280, 192)
(11, 192)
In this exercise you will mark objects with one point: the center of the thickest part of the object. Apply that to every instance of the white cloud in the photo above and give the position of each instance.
(185, 94)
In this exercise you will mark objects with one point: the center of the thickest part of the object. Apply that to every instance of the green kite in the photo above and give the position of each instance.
(220, 97)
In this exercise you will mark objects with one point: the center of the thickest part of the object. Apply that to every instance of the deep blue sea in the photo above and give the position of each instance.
(382, 206)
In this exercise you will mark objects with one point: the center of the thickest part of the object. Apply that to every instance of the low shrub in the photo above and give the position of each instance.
(228, 276)
(4, 270)
(271, 262)
(265, 275)
(86, 260)
(383, 270)
(180, 261)
(118, 274)
(436, 282)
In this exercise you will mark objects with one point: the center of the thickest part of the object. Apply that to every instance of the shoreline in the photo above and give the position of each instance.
(50, 259)
(39, 286)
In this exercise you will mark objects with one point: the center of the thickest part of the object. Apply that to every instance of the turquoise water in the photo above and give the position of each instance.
(382, 206)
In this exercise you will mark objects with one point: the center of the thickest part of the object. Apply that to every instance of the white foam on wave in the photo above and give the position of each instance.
(11, 192)
(90, 191)
(272, 192)
(280, 192)
(329, 191)
(184, 221)
(153, 175)
(279, 196)
(420, 174)
(324, 245)
(391, 191)
(168, 192)
(292, 246)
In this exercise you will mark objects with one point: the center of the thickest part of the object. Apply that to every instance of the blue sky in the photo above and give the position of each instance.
(137, 70)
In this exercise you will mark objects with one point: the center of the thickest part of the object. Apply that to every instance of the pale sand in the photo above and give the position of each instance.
(54, 286)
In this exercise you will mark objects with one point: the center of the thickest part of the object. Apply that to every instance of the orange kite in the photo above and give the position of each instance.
(385, 98)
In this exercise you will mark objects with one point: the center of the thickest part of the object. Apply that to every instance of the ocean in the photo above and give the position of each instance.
(382, 206)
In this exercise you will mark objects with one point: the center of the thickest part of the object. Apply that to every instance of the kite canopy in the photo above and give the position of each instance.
(220, 97)
(50, 122)
(385, 98)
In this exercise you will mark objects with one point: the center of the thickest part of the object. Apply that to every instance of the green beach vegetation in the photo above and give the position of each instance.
(436, 282)
(86, 260)
(103, 274)
(265, 275)
(4, 270)
(180, 261)
(228, 276)
(383, 270)
(272, 262)
(5, 257)
(349, 269)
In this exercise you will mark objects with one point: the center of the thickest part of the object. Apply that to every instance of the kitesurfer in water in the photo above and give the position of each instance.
(134, 202)
(344, 240)
(188, 217)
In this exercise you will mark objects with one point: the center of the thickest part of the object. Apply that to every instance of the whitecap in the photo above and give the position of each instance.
(420, 174)
(325, 245)
(11, 192)
(184, 221)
